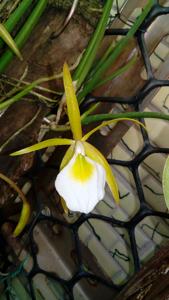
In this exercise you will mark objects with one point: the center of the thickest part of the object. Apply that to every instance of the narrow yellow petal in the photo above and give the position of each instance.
(25, 213)
(105, 123)
(23, 220)
(72, 104)
(4, 34)
(44, 144)
(96, 155)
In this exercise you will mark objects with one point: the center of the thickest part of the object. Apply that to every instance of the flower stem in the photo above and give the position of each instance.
(133, 115)
(25, 91)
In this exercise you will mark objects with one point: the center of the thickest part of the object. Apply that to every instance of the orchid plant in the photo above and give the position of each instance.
(83, 170)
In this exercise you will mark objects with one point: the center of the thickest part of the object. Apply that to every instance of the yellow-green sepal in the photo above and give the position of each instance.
(105, 123)
(96, 155)
(25, 213)
(23, 220)
(72, 104)
(42, 145)
(165, 182)
(4, 34)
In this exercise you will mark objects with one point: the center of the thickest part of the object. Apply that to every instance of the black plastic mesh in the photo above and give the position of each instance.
(133, 165)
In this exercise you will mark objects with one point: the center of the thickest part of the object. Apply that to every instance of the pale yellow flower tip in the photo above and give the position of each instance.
(24, 218)
(81, 182)
(5, 35)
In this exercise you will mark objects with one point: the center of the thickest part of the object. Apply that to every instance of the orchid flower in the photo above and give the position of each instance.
(83, 170)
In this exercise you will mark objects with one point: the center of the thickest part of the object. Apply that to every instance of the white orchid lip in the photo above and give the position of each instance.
(81, 182)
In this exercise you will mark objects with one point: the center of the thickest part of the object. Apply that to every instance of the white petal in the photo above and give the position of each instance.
(81, 195)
